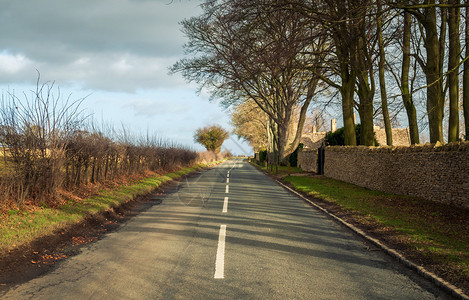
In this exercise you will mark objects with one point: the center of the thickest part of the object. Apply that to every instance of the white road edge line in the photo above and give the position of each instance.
(225, 205)
(227, 189)
(220, 260)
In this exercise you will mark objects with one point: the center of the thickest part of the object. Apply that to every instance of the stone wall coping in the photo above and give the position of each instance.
(309, 150)
(438, 147)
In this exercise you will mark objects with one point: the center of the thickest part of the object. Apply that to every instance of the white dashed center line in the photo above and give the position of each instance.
(225, 205)
(220, 260)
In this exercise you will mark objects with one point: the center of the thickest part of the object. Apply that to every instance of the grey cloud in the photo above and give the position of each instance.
(151, 108)
(84, 41)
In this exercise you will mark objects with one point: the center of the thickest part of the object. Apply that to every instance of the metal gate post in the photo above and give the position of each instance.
(321, 157)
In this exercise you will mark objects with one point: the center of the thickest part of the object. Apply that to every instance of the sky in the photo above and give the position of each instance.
(116, 54)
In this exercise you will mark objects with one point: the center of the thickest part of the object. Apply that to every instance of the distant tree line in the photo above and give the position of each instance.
(270, 58)
(47, 145)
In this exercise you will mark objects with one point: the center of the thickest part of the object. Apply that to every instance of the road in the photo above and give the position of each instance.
(229, 233)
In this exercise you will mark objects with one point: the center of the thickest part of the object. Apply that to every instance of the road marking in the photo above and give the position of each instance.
(227, 189)
(220, 260)
(228, 180)
(225, 205)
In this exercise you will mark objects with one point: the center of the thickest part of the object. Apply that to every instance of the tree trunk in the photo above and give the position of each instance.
(406, 93)
(273, 143)
(382, 81)
(366, 91)
(345, 47)
(301, 121)
(453, 69)
(466, 77)
(366, 115)
(93, 171)
(433, 74)
(347, 92)
(283, 142)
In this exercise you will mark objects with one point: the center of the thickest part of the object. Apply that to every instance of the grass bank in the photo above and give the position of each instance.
(431, 234)
(21, 226)
(282, 170)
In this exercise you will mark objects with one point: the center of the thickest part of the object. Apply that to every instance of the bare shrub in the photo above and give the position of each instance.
(32, 138)
(92, 157)
(46, 148)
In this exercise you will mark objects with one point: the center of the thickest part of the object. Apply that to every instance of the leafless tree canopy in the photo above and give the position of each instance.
(275, 53)
(241, 50)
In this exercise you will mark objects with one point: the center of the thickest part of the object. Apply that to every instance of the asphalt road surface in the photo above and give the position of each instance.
(229, 233)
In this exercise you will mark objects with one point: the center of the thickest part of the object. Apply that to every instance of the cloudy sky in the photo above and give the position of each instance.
(117, 52)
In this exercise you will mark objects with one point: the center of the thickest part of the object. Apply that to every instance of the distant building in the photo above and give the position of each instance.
(313, 140)
(400, 136)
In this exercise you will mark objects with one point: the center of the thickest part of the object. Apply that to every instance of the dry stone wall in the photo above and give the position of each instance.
(308, 159)
(436, 172)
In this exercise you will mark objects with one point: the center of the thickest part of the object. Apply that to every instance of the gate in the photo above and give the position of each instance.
(321, 157)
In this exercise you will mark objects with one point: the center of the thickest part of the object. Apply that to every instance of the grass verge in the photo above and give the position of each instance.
(19, 227)
(282, 170)
(431, 234)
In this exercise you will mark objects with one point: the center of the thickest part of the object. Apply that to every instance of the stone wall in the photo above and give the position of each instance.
(308, 159)
(436, 172)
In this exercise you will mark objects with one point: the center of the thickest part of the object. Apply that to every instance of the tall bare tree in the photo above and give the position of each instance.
(434, 43)
(339, 20)
(404, 82)
(466, 74)
(453, 69)
(381, 73)
(244, 50)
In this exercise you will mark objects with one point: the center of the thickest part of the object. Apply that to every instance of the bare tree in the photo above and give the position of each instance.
(381, 74)
(466, 74)
(432, 66)
(245, 50)
(33, 140)
(46, 149)
(453, 69)
(250, 123)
